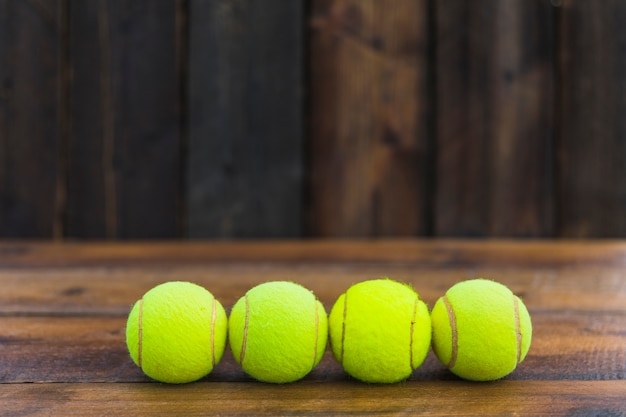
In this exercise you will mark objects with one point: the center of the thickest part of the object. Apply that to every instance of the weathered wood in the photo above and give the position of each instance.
(370, 153)
(124, 150)
(495, 118)
(245, 112)
(30, 108)
(566, 345)
(418, 254)
(109, 289)
(63, 310)
(592, 145)
(529, 398)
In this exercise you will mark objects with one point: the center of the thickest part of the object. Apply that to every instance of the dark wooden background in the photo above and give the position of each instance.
(243, 118)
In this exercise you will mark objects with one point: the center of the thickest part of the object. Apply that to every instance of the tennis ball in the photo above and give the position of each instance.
(278, 331)
(176, 333)
(380, 331)
(481, 330)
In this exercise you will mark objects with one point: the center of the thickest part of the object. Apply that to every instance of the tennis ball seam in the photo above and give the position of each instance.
(413, 320)
(244, 340)
(140, 331)
(343, 325)
(455, 336)
(518, 332)
(213, 319)
(317, 325)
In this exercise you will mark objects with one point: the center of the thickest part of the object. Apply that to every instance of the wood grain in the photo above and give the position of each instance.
(124, 152)
(231, 118)
(370, 151)
(63, 310)
(592, 149)
(495, 118)
(566, 346)
(412, 252)
(245, 119)
(109, 289)
(30, 108)
(529, 398)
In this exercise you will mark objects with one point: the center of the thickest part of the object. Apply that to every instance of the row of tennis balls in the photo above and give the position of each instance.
(379, 330)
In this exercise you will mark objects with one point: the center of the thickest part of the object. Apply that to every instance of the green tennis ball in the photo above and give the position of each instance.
(380, 331)
(278, 331)
(177, 332)
(481, 330)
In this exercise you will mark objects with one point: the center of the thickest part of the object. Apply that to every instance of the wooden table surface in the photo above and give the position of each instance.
(63, 309)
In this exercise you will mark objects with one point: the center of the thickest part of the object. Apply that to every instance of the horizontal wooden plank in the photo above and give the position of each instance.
(529, 398)
(110, 291)
(566, 345)
(63, 311)
(421, 253)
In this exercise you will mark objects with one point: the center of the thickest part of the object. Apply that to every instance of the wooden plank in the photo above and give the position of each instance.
(592, 149)
(70, 321)
(30, 110)
(110, 290)
(370, 153)
(566, 345)
(62, 325)
(245, 112)
(529, 398)
(90, 211)
(495, 121)
(419, 254)
(124, 151)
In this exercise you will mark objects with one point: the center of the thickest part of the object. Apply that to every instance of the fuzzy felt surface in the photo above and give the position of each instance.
(177, 332)
(380, 331)
(278, 331)
(481, 330)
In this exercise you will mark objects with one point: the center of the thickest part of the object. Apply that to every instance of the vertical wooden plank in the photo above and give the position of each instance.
(495, 121)
(124, 169)
(86, 212)
(592, 143)
(244, 176)
(30, 74)
(369, 118)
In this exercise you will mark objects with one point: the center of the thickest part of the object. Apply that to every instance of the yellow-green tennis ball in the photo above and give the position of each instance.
(277, 331)
(481, 330)
(380, 331)
(177, 332)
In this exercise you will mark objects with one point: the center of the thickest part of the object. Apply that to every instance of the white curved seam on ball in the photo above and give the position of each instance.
(343, 325)
(518, 330)
(317, 330)
(455, 337)
(140, 334)
(245, 332)
(413, 320)
(213, 317)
